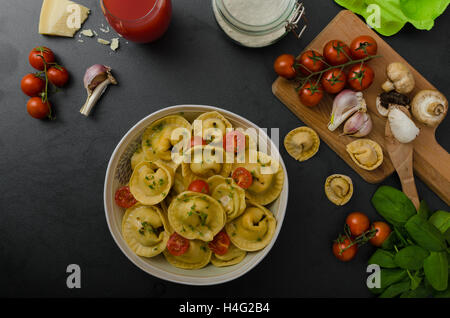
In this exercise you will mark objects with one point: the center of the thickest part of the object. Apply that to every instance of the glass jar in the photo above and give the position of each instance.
(258, 23)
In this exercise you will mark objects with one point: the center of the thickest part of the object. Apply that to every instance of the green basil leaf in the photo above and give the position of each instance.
(435, 267)
(424, 211)
(441, 220)
(425, 234)
(411, 257)
(383, 258)
(393, 205)
(395, 290)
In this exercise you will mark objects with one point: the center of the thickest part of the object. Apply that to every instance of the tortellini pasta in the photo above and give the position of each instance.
(144, 231)
(137, 158)
(197, 256)
(229, 194)
(211, 121)
(151, 182)
(254, 229)
(233, 256)
(195, 215)
(339, 189)
(302, 143)
(366, 153)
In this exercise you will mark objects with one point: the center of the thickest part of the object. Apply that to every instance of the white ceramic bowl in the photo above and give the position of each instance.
(118, 173)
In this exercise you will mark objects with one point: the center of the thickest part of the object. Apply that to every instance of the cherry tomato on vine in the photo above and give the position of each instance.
(38, 109)
(382, 232)
(333, 81)
(219, 245)
(58, 75)
(199, 186)
(177, 245)
(124, 198)
(242, 177)
(342, 249)
(360, 77)
(284, 66)
(32, 85)
(311, 94)
(336, 52)
(310, 62)
(38, 55)
(357, 222)
(363, 46)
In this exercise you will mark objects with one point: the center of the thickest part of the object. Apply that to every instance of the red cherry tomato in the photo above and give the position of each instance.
(32, 85)
(284, 66)
(333, 81)
(38, 55)
(363, 46)
(38, 109)
(343, 251)
(311, 61)
(242, 177)
(360, 77)
(124, 198)
(311, 94)
(219, 245)
(234, 141)
(383, 230)
(177, 245)
(197, 141)
(58, 75)
(357, 222)
(199, 186)
(336, 52)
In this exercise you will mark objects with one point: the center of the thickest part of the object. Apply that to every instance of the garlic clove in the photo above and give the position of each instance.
(345, 104)
(358, 125)
(402, 127)
(429, 107)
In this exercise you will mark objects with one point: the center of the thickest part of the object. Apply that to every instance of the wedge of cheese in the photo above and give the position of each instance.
(61, 17)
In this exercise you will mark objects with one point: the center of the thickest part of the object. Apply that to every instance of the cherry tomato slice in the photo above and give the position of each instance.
(219, 245)
(234, 141)
(357, 222)
(383, 231)
(199, 186)
(124, 198)
(343, 251)
(242, 177)
(177, 245)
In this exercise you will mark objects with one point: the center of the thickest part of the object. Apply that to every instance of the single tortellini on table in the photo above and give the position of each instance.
(150, 182)
(268, 178)
(229, 194)
(302, 143)
(254, 229)
(197, 256)
(211, 121)
(195, 215)
(339, 188)
(233, 256)
(366, 153)
(144, 231)
(159, 138)
(205, 162)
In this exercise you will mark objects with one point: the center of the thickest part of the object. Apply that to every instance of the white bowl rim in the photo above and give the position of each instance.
(173, 277)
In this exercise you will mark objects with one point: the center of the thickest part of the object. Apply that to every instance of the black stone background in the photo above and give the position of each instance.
(52, 173)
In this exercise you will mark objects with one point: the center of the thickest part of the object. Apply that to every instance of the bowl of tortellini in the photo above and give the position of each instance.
(195, 194)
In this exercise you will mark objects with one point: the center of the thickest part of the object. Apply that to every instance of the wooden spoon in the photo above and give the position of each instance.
(402, 158)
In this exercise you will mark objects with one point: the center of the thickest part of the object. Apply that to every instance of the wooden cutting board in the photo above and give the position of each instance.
(431, 161)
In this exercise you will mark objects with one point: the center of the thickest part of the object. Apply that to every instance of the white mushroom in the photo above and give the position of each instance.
(429, 107)
(400, 79)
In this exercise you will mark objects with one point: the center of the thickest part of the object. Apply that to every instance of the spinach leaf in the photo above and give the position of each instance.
(389, 243)
(441, 220)
(411, 257)
(393, 205)
(395, 289)
(424, 211)
(435, 267)
(420, 292)
(383, 258)
(391, 276)
(425, 234)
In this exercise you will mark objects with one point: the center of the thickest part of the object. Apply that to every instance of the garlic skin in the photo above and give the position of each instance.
(402, 127)
(345, 104)
(429, 107)
(359, 125)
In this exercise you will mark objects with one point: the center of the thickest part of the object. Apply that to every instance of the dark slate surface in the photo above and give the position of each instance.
(51, 203)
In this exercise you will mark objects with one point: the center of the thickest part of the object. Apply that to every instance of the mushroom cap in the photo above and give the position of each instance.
(429, 107)
(402, 78)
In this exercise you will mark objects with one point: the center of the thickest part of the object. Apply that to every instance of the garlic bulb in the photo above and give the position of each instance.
(345, 104)
(402, 127)
(359, 125)
(429, 107)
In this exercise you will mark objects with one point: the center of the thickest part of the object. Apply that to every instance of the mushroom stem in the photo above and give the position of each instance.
(435, 109)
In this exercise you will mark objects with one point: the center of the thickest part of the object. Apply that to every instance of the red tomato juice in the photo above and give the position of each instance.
(138, 20)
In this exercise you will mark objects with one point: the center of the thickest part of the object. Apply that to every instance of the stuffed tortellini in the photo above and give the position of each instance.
(233, 256)
(144, 231)
(137, 158)
(339, 188)
(151, 182)
(366, 153)
(195, 215)
(254, 229)
(197, 256)
(268, 178)
(210, 122)
(302, 143)
(229, 194)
